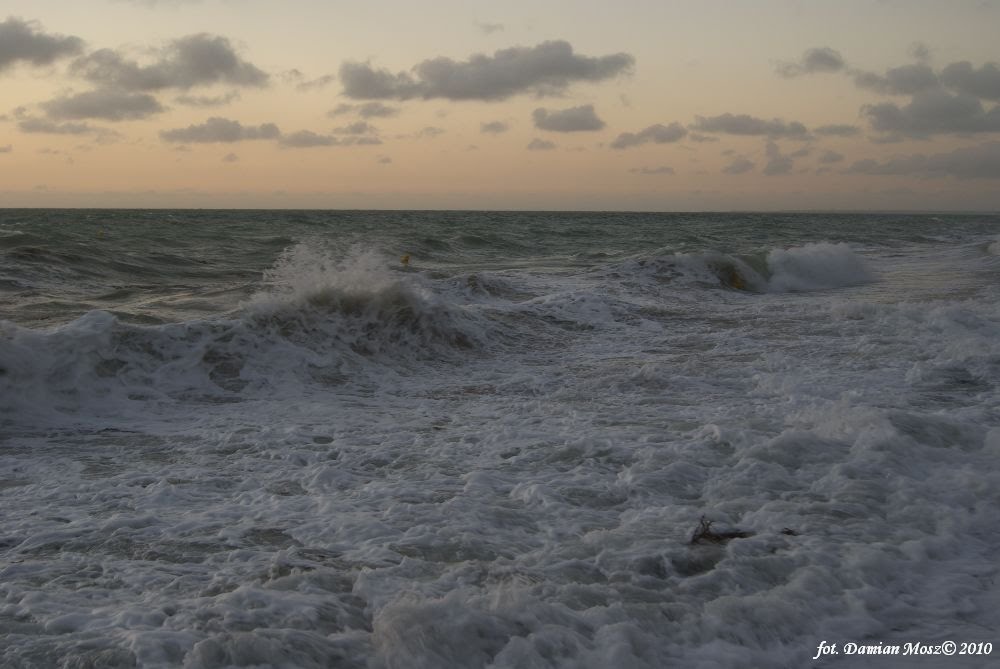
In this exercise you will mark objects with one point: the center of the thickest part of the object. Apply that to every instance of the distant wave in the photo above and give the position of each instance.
(817, 266)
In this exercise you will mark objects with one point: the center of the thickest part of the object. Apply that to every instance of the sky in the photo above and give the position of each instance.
(654, 105)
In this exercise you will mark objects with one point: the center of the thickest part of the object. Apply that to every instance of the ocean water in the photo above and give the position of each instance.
(259, 439)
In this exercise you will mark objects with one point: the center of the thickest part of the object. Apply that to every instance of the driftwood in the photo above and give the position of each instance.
(704, 534)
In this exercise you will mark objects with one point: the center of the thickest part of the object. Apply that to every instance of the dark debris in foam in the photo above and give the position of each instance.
(704, 534)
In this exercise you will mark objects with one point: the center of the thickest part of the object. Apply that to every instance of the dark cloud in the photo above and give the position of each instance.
(23, 41)
(304, 139)
(30, 124)
(356, 128)
(207, 100)
(194, 60)
(701, 139)
(823, 59)
(494, 127)
(45, 126)
(230, 158)
(933, 112)
(828, 157)
(738, 166)
(963, 77)
(7, 148)
(541, 145)
(109, 105)
(546, 69)
(904, 80)
(384, 160)
(838, 130)
(574, 119)
(974, 162)
(218, 129)
(366, 110)
(743, 124)
(777, 162)
(656, 134)
(652, 170)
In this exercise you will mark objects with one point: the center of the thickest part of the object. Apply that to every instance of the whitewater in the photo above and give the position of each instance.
(263, 439)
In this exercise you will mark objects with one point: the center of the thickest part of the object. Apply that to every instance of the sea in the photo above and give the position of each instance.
(420, 439)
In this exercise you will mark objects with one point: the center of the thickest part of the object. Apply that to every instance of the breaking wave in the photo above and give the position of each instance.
(317, 321)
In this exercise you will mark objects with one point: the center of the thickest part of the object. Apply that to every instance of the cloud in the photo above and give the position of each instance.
(738, 166)
(207, 100)
(663, 169)
(490, 28)
(342, 109)
(494, 127)
(823, 59)
(541, 145)
(429, 132)
(230, 158)
(974, 162)
(933, 112)
(304, 139)
(218, 129)
(838, 130)
(777, 162)
(743, 124)
(366, 110)
(920, 52)
(23, 41)
(546, 69)
(574, 119)
(701, 139)
(356, 128)
(194, 60)
(6, 148)
(48, 127)
(384, 160)
(44, 126)
(983, 83)
(109, 105)
(828, 157)
(904, 80)
(318, 82)
(657, 134)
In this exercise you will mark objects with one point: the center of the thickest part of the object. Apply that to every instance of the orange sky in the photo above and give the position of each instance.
(553, 105)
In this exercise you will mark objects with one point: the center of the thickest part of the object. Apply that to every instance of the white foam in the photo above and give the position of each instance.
(530, 501)
(816, 267)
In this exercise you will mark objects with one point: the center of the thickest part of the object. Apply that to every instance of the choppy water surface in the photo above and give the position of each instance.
(256, 439)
